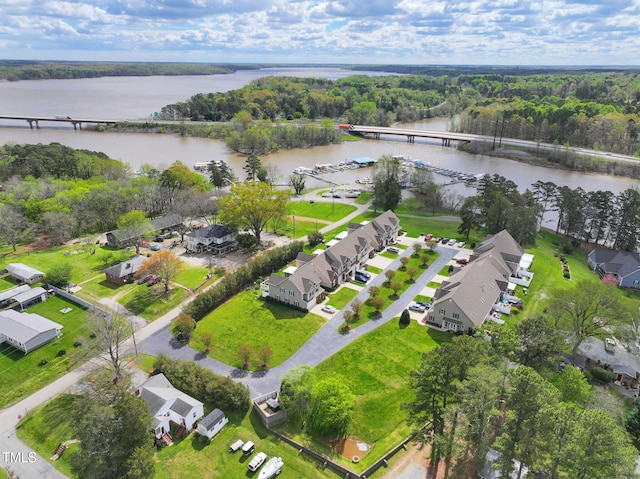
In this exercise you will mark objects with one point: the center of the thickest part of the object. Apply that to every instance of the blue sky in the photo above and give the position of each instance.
(477, 32)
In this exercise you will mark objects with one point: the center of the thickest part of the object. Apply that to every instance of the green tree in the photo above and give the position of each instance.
(297, 183)
(386, 183)
(315, 238)
(396, 286)
(112, 426)
(184, 325)
(374, 291)
(412, 272)
(377, 302)
(389, 274)
(180, 177)
(295, 394)
(403, 261)
(220, 174)
(589, 308)
(133, 226)
(13, 225)
(332, 404)
(573, 386)
(251, 205)
(539, 341)
(245, 352)
(59, 274)
(417, 248)
(405, 318)
(252, 167)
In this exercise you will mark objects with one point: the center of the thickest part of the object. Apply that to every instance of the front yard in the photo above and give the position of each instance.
(23, 374)
(151, 302)
(248, 319)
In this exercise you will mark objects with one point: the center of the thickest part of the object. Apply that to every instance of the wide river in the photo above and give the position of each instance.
(139, 97)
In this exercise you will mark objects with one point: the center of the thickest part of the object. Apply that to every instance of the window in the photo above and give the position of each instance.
(296, 304)
(441, 311)
(282, 290)
(455, 316)
(292, 293)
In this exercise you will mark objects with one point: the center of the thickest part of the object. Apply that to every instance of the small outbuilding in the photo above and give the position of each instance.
(27, 331)
(24, 274)
(212, 423)
(31, 297)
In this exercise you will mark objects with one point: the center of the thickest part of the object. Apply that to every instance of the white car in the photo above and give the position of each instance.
(417, 307)
(327, 308)
(393, 249)
(609, 345)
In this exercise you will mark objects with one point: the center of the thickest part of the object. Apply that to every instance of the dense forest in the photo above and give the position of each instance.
(595, 110)
(14, 70)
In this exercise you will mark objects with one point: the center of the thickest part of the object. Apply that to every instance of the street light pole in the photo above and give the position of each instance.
(294, 226)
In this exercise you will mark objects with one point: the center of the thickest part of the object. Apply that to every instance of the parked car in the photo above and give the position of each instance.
(428, 237)
(257, 461)
(145, 278)
(462, 261)
(460, 244)
(444, 240)
(417, 307)
(366, 274)
(393, 249)
(422, 303)
(609, 345)
(145, 244)
(451, 242)
(155, 247)
(337, 195)
(326, 195)
(359, 277)
(327, 308)
(159, 238)
(155, 279)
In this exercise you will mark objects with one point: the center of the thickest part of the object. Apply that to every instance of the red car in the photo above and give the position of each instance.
(146, 244)
(154, 280)
(462, 261)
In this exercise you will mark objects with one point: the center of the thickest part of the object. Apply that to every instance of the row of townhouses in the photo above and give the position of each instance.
(484, 288)
(305, 285)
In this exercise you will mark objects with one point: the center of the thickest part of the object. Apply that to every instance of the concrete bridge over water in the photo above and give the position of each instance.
(76, 122)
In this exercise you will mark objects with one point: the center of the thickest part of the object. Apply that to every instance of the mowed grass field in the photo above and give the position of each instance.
(248, 319)
(322, 210)
(376, 367)
(21, 375)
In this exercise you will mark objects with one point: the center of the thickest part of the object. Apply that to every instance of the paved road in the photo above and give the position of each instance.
(326, 342)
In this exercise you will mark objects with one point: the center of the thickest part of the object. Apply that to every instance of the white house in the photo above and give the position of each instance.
(27, 331)
(217, 239)
(168, 404)
(489, 471)
(24, 273)
(212, 423)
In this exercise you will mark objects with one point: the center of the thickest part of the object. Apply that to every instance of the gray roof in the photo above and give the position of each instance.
(23, 271)
(211, 231)
(622, 263)
(161, 223)
(23, 327)
(10, 293)
(501, 244)
(157, 391)
(489, 472)
(27, 296)
(624, 369)
(211, 419)
(126, 268)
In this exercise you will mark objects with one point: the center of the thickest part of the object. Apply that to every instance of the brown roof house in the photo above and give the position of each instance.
(122, 273)
(482, 289)
(305, 286)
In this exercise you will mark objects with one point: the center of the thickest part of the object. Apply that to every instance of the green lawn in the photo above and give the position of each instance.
(364, 198)
(374, 270)
(150, 302)
(319, 209)
(248, 319)
(50, 424)
(437, 227)
(99, 288)
(194, 276)
(84, 264)
(368, 311)
(342, 297)
(7, 282)
(376, 367)
(21, 374)
(302, 227)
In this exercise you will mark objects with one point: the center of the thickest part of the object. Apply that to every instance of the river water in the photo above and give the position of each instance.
(138, 97)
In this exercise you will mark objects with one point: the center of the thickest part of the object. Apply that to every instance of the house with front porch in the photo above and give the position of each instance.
(216, 239)
(124, 272)
(169, 405)
(305, 286)
(624, 266)
(481, 290)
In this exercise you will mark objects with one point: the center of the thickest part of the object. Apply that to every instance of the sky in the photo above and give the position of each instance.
(455, 32)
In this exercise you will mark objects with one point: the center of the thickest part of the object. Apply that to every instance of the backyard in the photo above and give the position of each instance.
(248, 319)
(23, 374)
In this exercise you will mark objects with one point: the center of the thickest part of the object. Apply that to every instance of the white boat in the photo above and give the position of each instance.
(272, 468)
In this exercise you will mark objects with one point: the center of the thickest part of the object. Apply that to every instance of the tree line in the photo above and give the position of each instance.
(598, 217)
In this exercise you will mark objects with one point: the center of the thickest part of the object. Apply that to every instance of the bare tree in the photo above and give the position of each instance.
(110, 332)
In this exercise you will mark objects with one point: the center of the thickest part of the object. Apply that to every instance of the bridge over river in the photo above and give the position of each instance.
(76, 122)
(411, 134)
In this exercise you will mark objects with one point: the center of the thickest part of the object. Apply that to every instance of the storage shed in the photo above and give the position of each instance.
(212, 423)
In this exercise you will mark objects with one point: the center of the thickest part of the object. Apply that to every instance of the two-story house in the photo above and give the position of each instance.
(472, 293)
(217, 239)
(622, 265)
(305, 287)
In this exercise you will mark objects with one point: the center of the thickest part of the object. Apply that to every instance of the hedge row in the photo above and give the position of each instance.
(203, 384)
(261, 265)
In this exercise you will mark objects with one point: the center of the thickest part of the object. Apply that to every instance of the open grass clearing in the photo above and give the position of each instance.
(7, 282)
(99, 288)
(329, 212)
(21, 373)
(376, 367)
(342, 297)
(84, 264)
(374, 269)
(150, 302)
(301, 227)
(364, 197)
(248, 319)
(194, 277)
(437, 226)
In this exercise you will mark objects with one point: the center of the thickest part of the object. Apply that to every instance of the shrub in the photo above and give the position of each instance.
(61, 353)
(344, 328)
(315, 238)
(245, 240)
(602, 375)
(567, 275)
(43, 362)
(405, 318)
(77, 343)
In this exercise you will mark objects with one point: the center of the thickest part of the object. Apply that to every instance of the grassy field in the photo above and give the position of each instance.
(21, 373)
(326, 211)
(150, 302)
(188, 458)
(376, 367)
(342, 297)
(84, 264)
(7, 282)
(98, 288)
(247, 319)
(437, 227)
(194, 276)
